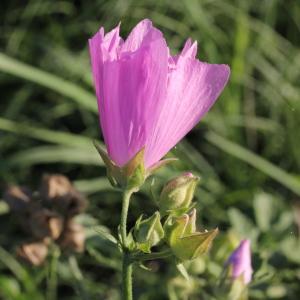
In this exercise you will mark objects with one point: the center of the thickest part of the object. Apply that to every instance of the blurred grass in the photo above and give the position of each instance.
(246, 150)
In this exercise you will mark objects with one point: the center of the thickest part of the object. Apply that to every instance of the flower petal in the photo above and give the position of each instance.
(97, 58)
(193, 87)
(133, 90)
(112, 42)
(142, 34)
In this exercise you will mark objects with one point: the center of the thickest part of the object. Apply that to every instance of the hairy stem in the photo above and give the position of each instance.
(127, 277)
(127, 263)
(125, 205)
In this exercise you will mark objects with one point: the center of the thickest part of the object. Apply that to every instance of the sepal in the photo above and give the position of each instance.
(148, 232)
(160, 164)
(131, 244)
(185, 242)
(130, 176)
(134, 171)
(182, 270)
(238, 290)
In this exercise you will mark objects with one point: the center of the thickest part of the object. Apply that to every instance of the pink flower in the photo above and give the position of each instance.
(147, 97)
(240, 261)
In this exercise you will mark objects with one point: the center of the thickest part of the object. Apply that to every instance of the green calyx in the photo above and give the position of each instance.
(130, 176)
(238, 289)
(185, 242)
(159, 165)
(148, 232)
(177, 194)
(133, 174)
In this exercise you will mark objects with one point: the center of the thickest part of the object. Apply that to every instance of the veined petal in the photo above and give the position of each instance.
(102, 47)
(112, 41)
(189, 49)
(133, 91)
(97, 58)
(142, 34)
(193, 87)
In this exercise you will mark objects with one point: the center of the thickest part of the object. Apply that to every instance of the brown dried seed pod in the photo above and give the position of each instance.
(73, 237)
(17, 198)
(33, 253)
(45, 223)
(60, 194)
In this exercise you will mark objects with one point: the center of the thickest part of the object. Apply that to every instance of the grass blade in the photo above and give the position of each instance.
(255, 161)
(14, 67)
(56, 154)
(45, 135)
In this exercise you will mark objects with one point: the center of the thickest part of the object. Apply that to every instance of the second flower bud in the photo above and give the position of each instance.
(177, 194)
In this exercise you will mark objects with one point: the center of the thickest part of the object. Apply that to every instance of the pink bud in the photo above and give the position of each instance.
(240, 261)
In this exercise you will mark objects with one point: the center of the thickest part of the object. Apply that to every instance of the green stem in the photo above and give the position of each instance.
(125, 205)
(127, 277)
(127, 263)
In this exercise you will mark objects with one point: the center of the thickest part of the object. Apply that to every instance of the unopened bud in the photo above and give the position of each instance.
(178, 194)
(73, 237)
(34, 253)
(240, 262)
(148, 232)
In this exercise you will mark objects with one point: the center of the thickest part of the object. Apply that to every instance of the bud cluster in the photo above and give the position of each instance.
(174, 223)
(47, 216)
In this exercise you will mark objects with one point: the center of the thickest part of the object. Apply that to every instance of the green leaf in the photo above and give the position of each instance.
(290, 246)
(9, 287)
(105, 234)
(264, 210)
(242, 224)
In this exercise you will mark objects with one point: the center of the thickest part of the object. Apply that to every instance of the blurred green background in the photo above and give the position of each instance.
(246, 150)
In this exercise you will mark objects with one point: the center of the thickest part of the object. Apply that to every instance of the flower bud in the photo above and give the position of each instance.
(148, 232)
(240, 262)
(60, 194)
(34, 253)
(73, 237)
(17, 198)
(185, 242)
(177, 194)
